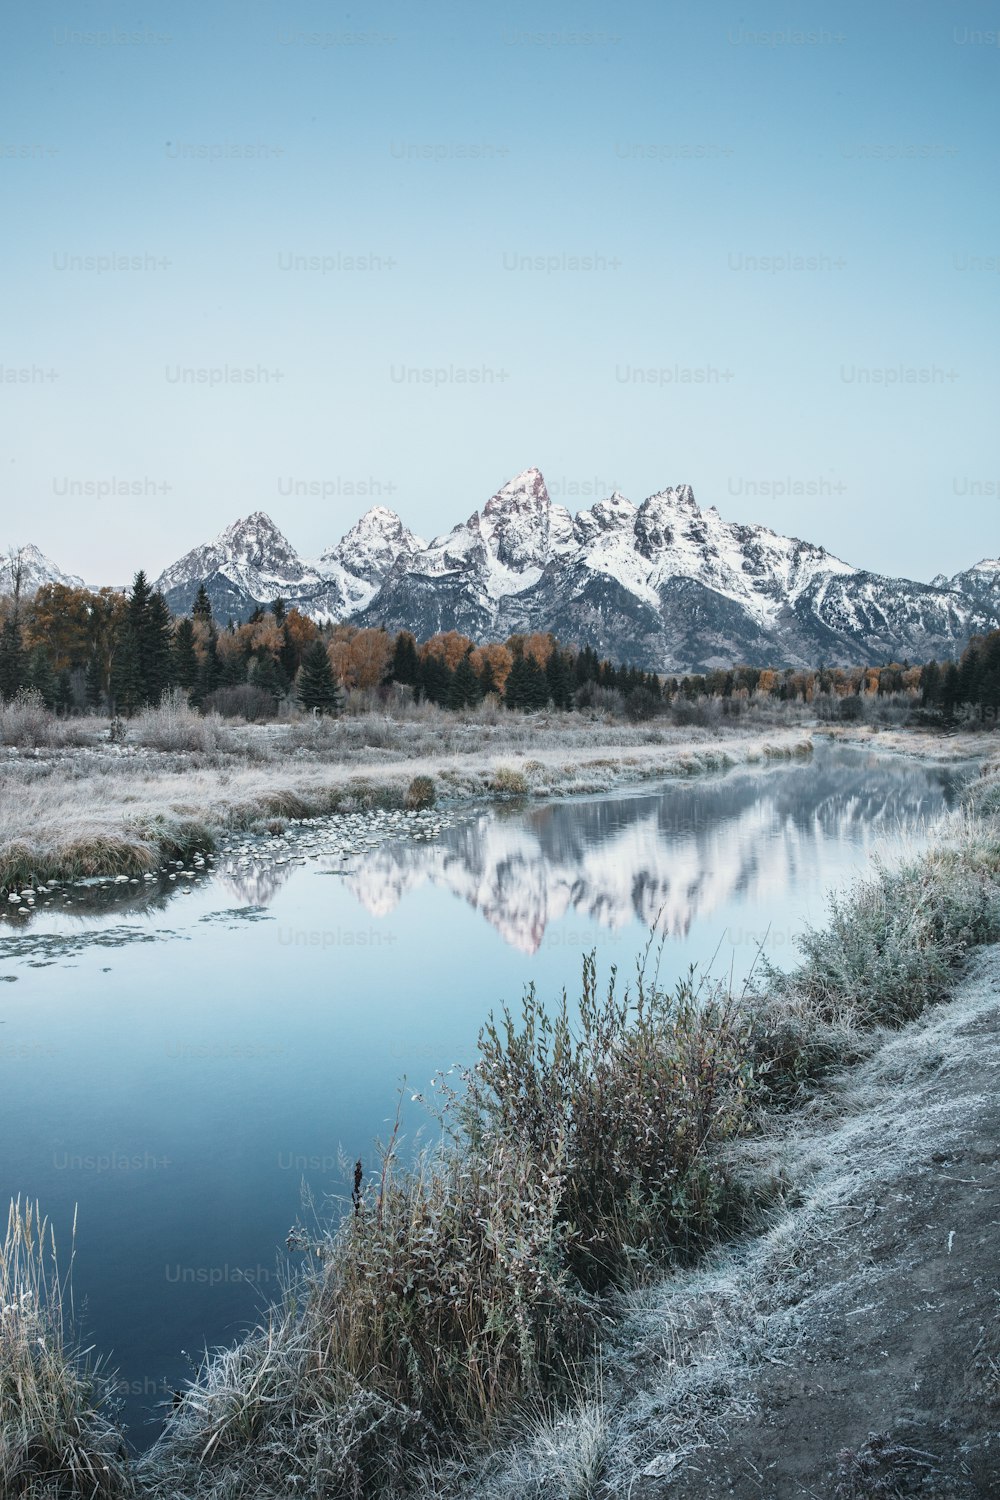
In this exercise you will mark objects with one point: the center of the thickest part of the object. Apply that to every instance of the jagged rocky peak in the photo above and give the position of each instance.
(615, 513)
(35, 570)
(516, 522)
(526, 491)
(256, 542)
(663, 515)
(372, 545)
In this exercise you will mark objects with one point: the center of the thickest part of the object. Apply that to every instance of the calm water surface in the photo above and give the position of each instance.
(176, 1068)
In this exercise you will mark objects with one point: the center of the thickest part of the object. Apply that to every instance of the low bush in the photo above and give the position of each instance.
(25, 721)
(508, 782)
(174, 725)
(420, 793)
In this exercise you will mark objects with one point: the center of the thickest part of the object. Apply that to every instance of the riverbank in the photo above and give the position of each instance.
(949, 747)
(180, 782)
(436, 1331)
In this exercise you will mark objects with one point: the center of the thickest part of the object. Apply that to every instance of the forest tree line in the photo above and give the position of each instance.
(118, 652)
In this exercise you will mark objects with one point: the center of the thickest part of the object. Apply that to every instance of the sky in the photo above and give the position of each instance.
(304, 258)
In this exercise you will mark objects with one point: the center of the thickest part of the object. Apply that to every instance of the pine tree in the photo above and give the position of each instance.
(95, 681)
(156, 648)
(278, 610)
(12, 663)
(948, 695)
(268, 675)
(559, 683)
(405, 666)
(41, 676)
(317, 686)
(64, 692)
(434, 679)
(527, 686)
(464, 689)
(208, 671)
(201, 609)
(930, 684)
(185, 667)
(127, 688)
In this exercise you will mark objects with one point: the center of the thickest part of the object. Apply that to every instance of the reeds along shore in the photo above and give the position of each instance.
(588, 1149)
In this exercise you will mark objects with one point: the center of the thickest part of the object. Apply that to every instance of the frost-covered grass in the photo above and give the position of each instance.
(891, 947)
(576, 1155)
(453, 1314)
(180, 779)
(54, 1439)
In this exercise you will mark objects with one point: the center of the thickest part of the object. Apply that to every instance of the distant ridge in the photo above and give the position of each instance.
(664, 584)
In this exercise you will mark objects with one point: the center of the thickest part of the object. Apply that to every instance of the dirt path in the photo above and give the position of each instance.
(854, 1350)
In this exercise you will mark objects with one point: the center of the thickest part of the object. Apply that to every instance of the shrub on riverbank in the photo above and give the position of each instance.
(578, 1153)
(583, 1150)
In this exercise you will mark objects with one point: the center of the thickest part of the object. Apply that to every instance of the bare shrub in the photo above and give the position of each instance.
(26, 722)
(174, 725)
(420, 793)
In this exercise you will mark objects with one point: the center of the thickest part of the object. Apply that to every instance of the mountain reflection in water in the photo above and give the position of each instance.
(661, 858)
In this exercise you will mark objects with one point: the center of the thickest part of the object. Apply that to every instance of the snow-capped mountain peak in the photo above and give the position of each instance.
(665, 584)
(256, 542)
(35, 570)
(372, 545)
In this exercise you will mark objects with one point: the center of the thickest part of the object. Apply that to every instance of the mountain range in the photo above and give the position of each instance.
(665, 584)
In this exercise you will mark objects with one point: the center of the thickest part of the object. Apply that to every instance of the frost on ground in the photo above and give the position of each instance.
(107, 809)
(851, 1350)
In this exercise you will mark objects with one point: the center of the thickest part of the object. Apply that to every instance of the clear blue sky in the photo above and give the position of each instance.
(678, 145)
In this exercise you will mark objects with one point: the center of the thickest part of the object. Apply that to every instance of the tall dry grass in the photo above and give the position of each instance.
(55, 1439)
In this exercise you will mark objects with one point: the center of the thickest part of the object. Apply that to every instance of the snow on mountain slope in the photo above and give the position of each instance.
(664, 584)
(36, 569)
(252, 563)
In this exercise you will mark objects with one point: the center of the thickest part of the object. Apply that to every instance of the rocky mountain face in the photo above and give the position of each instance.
(35, 570)
(664, 584)
(253, 563)
(670, 587)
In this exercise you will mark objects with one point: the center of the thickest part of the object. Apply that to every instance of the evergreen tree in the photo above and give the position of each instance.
(464, 689)
(12, 663)
(268, 675)
(968, 672)
(64, 692)
(930, 684)
(156, 648)
(405, 666)
(185, 664)
(559, 681)
(208, 671)
(41, 676)
(434, 679)
(317, 686)
(527, 686)
(201, 609)
(126, 674)
(95, 681)
(948, 696)
(278, 610)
